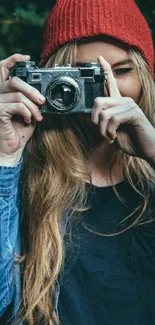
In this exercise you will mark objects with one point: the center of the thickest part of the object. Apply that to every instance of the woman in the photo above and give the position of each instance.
(87, 182)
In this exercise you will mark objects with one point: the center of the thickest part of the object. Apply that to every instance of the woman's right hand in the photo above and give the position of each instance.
(18, 106)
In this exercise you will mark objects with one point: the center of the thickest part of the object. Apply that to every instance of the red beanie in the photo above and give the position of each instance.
(74, 19)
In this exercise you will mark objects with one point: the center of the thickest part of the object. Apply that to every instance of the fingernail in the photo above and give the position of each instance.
(40, 117)
(110, 141)
(27, 57)
(100, 57)
(41, 98)
(27, 121)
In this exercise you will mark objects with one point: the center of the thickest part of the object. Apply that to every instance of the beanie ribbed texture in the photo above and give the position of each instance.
(75, 19)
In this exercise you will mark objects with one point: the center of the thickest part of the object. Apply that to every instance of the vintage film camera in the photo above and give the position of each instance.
(66, 89)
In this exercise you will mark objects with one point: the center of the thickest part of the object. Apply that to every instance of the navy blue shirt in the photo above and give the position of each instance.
(109, 280)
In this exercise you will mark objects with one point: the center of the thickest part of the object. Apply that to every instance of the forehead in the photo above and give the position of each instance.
(89, 52)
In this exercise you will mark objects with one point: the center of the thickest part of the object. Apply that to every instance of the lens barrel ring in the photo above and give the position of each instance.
(56, 87)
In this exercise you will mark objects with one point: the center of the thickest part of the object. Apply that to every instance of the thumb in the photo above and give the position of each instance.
(7, 64)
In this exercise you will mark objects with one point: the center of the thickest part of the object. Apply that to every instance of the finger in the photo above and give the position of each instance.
(107, 115)
(112, 126)
(103, 122)
(7, 64)
(103, 103)
(116, 120)
(8, 110)
(111, 81)
(13, 59)
(18, 97)
(16, 84)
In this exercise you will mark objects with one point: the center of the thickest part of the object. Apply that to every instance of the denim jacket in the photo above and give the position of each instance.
(10, 281)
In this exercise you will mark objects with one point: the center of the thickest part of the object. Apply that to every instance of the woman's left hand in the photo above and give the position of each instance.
(121, 120)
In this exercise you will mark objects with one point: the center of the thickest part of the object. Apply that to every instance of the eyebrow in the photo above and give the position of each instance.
(122, 62)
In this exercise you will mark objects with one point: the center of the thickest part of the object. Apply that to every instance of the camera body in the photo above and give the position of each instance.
(66, 89)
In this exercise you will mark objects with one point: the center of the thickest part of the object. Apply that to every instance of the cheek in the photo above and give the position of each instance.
(130, 87)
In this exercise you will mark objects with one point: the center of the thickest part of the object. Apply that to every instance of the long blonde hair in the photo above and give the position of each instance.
(53, 180)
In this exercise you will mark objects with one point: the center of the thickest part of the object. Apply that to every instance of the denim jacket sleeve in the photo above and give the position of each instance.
(9, 227)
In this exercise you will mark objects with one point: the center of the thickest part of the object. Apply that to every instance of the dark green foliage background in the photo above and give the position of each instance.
(21, 24)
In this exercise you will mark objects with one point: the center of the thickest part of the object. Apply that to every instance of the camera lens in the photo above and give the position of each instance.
(63, 94)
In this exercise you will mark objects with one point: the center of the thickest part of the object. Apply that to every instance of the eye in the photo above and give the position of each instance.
(122, 71)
